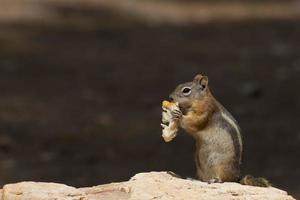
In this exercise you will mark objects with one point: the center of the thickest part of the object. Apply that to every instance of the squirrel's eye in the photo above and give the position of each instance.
(186, 91)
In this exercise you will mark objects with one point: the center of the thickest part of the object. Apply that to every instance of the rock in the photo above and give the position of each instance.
(37, 190)
(143, 186)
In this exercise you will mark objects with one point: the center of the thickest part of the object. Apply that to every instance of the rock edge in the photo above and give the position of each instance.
(142, 186)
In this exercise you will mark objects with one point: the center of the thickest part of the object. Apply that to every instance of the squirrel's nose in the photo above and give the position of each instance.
(171, 97)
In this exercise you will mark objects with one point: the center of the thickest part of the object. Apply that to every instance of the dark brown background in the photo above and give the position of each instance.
(81, 88)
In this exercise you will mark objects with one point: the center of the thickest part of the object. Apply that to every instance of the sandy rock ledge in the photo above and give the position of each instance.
(143, 186)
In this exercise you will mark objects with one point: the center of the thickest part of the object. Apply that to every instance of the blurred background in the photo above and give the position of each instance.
(82, 83)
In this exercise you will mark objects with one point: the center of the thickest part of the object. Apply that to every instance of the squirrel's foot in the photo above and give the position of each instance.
(214, 180)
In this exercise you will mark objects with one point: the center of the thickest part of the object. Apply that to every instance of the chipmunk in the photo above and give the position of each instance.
(217, 134)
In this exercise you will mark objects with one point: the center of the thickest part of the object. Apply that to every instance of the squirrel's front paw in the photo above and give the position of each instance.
(176, 113)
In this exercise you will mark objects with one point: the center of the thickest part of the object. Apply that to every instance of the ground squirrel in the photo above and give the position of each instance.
(217, 134)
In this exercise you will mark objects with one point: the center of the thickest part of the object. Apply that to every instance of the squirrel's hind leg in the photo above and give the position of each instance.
(227, 173)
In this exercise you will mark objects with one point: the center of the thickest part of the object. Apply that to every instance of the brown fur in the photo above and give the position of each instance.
(212, 161)
(217, 134)
(198, 115)
(250, 180)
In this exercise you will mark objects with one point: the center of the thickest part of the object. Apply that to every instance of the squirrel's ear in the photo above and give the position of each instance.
(202, 80)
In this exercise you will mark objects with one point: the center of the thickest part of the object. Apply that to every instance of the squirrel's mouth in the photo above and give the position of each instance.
(184, 107)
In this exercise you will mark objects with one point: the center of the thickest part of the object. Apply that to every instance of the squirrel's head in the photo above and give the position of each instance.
(186, 93)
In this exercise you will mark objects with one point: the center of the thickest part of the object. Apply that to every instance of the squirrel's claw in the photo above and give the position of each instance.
(176, 113)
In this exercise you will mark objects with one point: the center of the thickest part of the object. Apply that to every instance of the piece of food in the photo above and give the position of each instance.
(168, 104)
(170, 126)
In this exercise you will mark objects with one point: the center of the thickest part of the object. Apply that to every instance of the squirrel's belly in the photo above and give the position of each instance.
(215, 150)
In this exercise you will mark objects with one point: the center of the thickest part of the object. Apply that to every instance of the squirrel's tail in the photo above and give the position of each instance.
(255, 181)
